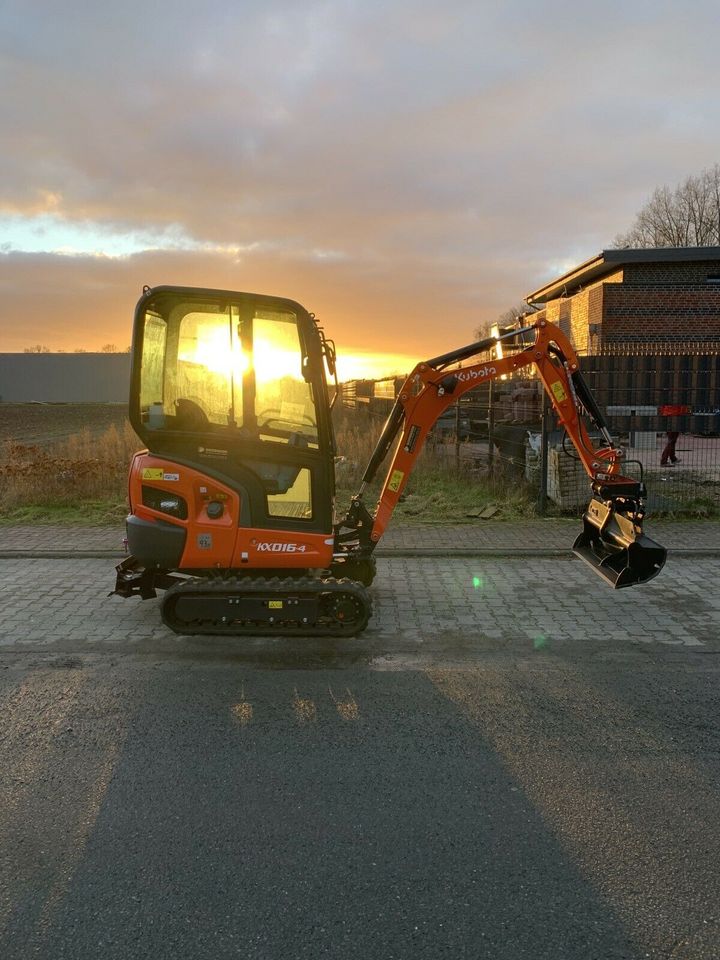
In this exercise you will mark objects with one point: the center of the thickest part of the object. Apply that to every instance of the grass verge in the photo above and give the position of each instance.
(88, 513)
(83, 481)
(79, 480)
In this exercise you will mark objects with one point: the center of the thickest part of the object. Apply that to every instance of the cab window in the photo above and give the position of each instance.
(226, 367)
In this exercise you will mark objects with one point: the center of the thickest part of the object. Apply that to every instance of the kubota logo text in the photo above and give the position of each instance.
(476, 374)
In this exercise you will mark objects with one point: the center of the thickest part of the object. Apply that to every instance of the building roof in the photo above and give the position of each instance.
(609, 260)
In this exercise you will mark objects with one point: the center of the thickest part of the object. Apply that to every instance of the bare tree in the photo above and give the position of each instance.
(506, 319)
(108, 348)
(37, 348)
(688, 216)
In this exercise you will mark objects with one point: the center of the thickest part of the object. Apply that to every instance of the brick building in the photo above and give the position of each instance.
(660, 301)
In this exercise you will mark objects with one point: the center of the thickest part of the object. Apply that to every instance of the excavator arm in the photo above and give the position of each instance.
(612, 541)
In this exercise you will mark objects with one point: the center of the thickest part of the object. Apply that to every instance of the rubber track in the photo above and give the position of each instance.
(262, 586)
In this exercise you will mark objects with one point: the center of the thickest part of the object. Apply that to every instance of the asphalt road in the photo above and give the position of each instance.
(539, 783)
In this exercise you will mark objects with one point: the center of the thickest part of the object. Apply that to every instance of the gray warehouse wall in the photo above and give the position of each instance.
(64, 377)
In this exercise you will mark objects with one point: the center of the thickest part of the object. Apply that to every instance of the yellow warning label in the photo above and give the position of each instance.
(396, 478)
(152, 473)
(275, 604)
(558, 391)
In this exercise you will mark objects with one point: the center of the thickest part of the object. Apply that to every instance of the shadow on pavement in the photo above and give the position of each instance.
(263, 814)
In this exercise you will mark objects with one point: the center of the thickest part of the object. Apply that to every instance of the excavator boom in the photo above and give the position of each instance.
(612, 541)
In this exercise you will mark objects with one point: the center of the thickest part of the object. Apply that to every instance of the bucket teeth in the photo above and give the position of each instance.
(613, 544)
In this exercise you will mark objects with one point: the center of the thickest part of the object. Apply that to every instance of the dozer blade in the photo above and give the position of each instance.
(614, 545)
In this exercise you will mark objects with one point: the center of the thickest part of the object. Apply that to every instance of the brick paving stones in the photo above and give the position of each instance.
(440, 609)
(526, 536)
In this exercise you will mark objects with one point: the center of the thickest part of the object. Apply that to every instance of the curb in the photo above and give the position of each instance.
(389, 553)
(517, 552)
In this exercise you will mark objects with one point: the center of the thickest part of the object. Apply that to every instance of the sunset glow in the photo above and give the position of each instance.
(370, 366)
(366, 163)
(271, 363)
(211, 349)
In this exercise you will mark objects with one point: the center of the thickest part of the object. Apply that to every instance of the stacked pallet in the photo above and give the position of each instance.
(567, 482)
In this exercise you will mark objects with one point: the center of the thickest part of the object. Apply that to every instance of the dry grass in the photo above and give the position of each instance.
(83, 479)
(72, 473)
(357, 434)
(437, 492)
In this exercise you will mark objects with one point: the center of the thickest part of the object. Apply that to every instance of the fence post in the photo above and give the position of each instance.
(457, 438)
(491, 425)
(544, 430)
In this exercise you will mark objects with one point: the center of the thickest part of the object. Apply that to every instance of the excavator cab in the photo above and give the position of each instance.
(236, 383)
(231, 388)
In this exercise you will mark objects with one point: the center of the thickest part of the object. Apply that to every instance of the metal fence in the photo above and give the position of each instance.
(498, 429)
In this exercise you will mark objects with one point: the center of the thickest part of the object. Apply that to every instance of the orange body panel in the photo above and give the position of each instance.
(220, 543)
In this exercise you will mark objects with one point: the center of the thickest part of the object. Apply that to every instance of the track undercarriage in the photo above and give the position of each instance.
(252, 605)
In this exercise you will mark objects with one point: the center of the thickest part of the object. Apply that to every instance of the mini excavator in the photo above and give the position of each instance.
(232, 502)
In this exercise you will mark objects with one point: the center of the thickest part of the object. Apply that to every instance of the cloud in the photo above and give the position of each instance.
(85, 301)
(379, 160)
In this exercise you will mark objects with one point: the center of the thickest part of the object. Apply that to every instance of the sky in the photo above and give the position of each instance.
(406, 170)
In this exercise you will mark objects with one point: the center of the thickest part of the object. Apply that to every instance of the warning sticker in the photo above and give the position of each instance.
(558, 391)
(157, 473)
(396, 478)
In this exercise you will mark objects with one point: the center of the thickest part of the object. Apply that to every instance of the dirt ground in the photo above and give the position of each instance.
(46, 423)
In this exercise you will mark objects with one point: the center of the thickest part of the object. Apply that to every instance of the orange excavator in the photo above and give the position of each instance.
(232, 502)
